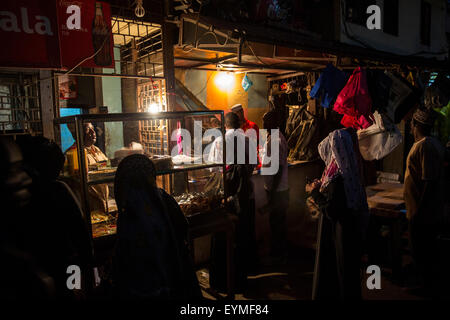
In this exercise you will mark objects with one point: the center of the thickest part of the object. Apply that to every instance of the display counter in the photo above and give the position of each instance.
(155, 135)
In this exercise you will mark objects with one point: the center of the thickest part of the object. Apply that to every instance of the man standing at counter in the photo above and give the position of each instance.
(423, 194)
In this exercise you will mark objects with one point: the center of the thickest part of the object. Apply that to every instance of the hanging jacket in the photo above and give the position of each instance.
(354, 101)
(328, 86)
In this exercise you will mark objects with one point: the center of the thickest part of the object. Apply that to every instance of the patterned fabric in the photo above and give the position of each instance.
(330, 172)
(338, 148)
(425, 116)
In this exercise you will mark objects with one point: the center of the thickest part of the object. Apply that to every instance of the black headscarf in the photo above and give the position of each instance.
(152, 256)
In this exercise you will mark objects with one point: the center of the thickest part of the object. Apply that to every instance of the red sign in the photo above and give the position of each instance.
(91, 40)
(29, 34)
(56, 34)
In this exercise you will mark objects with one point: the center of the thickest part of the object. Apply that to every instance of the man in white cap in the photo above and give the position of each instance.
(423, 193)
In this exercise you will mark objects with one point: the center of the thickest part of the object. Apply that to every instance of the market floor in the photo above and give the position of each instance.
(293, 281)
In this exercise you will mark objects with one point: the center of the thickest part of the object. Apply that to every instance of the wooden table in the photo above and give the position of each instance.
(387, 207)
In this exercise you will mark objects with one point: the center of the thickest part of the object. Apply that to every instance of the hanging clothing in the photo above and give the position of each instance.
(402, 98)
(338, 147)
(354, 101)
(328, 86)
(379, 88)
(303, 135)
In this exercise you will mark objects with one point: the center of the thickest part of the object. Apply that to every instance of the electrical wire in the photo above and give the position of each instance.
(81, 62)
(216, 38)
(253, 52)
(93, 55)
(206, 85)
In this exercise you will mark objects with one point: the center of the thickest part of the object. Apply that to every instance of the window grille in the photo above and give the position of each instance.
(20, 111)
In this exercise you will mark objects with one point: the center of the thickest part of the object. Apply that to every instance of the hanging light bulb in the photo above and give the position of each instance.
(224, 81)
(153, 107)
(139, 11)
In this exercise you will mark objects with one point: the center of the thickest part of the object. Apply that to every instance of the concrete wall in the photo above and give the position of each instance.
(112, 97)
(408, 40)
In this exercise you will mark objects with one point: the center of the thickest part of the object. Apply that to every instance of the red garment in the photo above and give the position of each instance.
(352, 122)
(354, 101)
(251, 125)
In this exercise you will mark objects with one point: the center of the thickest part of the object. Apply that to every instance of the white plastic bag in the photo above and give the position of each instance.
(380, 139)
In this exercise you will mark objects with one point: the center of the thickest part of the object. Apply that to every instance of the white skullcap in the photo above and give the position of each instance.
(237, 107)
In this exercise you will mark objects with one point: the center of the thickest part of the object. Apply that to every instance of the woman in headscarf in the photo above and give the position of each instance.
(341, 197)
(152, 256)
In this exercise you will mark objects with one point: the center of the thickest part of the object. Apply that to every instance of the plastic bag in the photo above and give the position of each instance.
(380, 139)
(246, 83)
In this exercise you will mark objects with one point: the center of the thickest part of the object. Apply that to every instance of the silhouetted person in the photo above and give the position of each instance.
(152, 259)
(20, 276)
(277, 189)
(424, 197)
(55, 231)
(342, 199)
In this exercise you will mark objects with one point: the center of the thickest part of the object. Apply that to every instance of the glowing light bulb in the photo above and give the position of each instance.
(153, 107)
(224, 81)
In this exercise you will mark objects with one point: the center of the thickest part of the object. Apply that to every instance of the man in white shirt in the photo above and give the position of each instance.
(239, 148)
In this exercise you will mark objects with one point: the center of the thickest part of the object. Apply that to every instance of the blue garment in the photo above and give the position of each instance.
(328, 86)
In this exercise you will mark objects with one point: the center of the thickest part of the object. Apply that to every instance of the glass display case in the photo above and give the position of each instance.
(179, 143)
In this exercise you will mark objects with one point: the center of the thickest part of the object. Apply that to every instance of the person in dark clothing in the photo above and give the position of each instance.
(152, 259)
(57, 237)
(21, 277)
(341, 198)
(237, 191)
(277, 189)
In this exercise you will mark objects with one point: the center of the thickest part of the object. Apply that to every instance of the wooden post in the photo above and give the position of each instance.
(168, 31)
(48, 109)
